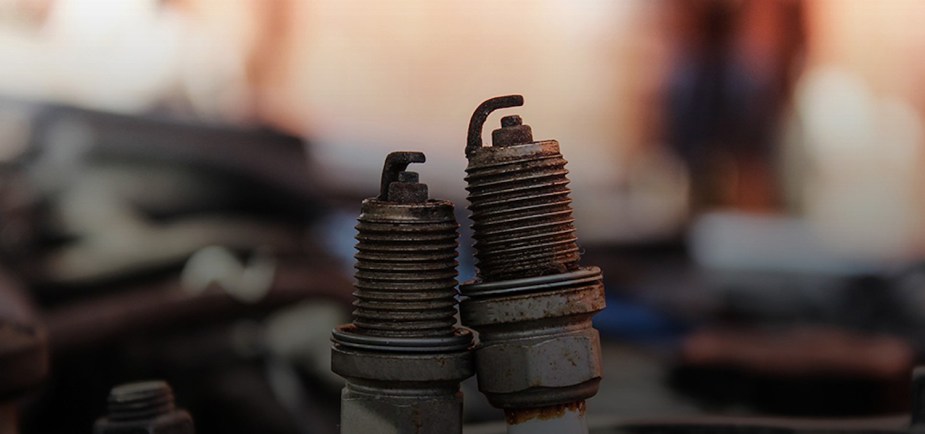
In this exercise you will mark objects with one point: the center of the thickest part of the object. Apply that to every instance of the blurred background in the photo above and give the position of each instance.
(181, 178)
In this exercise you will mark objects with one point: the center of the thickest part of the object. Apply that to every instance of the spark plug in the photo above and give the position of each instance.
(403, 356)
(531, 303)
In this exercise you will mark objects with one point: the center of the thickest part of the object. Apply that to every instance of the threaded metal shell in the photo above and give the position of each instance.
(406, 269)
(521, 211)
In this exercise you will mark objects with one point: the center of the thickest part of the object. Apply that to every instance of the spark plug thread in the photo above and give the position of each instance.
(519, 199)
(403, 356)
(406, 260)
(531, 301)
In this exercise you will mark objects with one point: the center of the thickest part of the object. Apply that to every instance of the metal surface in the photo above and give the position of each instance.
(480, 115)
(562, 419)
(144, 407)
(521, 211)
(403, 357)
(532, 302)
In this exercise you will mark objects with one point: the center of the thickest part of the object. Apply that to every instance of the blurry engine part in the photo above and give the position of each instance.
(144, 407)
(97, 185)
(539, 357)
(403, 357)
(102, 214)
(23, 351)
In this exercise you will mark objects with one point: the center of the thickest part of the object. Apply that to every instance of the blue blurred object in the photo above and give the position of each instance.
(632, 321)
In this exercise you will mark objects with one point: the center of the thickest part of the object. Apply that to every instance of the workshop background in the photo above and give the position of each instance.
(181, 179)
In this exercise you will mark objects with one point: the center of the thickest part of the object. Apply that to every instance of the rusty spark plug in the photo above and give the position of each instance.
(403, 356)
(538, 357)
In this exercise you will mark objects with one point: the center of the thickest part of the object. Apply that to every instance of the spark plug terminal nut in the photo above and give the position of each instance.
(531, 301)
(512, 132)
(403, 356)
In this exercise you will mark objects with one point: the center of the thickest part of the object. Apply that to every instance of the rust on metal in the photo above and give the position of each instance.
(518, 416)
(397, 185)
(406, 257)
(512, 132)
(403, 355)
(474, 137)
(519, 198)
(529, 282)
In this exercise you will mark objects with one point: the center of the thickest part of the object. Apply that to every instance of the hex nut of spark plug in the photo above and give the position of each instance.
(557, 361)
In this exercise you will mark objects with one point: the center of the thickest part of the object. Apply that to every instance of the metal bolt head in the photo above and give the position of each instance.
(542, 363)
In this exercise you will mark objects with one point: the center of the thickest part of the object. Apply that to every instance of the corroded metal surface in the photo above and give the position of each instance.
(403, 357)
(558, 419)
(531, 302)
(521, 211)
(516, 417)
(474, 136)
(406, 258)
